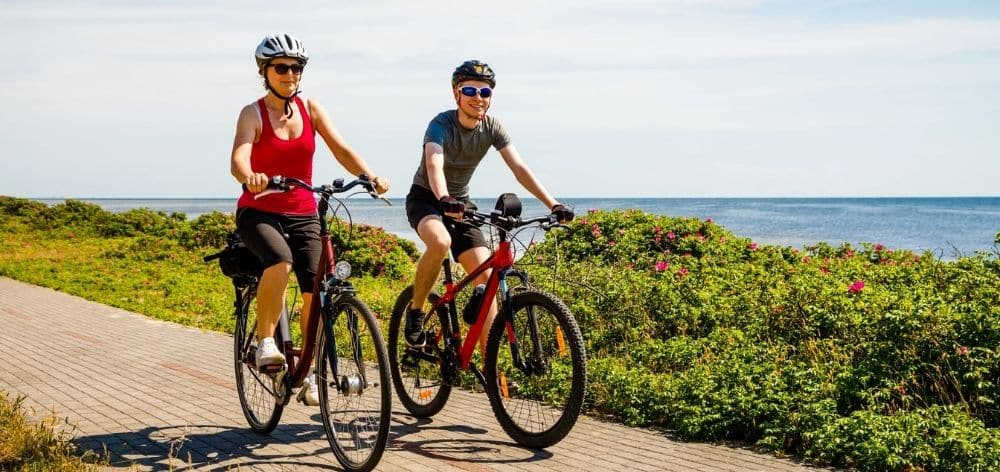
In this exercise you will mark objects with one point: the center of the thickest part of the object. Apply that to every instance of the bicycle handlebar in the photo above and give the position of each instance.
(494, 217)
(279, 184)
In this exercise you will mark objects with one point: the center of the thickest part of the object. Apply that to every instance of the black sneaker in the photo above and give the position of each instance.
(414, 329)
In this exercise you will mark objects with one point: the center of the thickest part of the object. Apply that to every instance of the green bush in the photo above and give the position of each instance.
(717, 337)
(861, 357)
(373, 251)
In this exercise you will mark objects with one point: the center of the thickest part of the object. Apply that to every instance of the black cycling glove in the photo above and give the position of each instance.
(450, 204)
(563, 214)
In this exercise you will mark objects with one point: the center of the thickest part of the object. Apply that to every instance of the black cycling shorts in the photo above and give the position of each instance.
(421, 203)
(263, 233)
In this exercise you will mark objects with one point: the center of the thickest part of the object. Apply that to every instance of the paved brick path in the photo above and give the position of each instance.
(150, 391)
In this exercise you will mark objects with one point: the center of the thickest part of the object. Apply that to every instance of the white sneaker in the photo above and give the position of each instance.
(309, 393)
(268, 353)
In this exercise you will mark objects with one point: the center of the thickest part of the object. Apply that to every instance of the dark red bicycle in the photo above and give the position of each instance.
(535, 368)
(342, 334)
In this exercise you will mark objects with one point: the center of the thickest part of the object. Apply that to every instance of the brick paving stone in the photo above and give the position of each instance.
(144, 388)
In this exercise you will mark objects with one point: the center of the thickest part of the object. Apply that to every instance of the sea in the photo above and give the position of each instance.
(949, 227)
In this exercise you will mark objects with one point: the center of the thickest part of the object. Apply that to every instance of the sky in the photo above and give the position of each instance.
(616, 98)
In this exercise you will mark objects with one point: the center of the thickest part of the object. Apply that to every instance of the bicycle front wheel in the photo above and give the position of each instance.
(260, 393)
(353, 376)
(537, 394)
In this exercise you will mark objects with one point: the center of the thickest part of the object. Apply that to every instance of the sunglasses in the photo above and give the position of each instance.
(283, 69)
(484, 92)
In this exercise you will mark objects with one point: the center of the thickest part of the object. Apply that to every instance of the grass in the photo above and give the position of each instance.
(26, 445)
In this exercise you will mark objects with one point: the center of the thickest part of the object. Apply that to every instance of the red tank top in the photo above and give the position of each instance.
(287, 158)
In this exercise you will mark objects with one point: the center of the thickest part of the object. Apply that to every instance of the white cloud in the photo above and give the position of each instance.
(697, 78)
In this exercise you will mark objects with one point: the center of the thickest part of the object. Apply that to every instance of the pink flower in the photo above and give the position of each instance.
(722, 239)
(708, 220)
(682, 272)
(806, 259)
(661, 266)
(962, 350)
(824, 269)
(591, 210)
(879, 247)
(595, 230)
(857, 286)
(752, 246)
(671, 236)
(657, 230)
(848, 254)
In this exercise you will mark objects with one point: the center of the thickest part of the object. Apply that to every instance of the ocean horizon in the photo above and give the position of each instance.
(946, 226)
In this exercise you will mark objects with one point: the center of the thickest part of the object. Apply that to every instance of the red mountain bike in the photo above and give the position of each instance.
(343, 334)
(535, 368)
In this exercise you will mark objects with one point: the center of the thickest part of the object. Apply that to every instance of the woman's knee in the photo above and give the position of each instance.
(280, 269)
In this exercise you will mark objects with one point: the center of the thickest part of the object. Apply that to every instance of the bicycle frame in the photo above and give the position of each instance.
(502, 264)
(299, 370)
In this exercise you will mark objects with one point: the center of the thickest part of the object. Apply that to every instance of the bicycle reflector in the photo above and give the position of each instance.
(342, 270)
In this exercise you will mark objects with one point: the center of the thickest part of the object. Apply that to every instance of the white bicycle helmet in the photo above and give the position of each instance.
(280, 45)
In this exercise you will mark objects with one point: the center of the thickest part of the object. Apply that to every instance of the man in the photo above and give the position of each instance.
(454, 144)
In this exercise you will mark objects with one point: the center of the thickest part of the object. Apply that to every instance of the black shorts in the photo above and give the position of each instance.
(420, 203)
(263, 233)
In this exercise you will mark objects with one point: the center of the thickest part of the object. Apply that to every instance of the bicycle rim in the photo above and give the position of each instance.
(416, 372)
(537, 403)
(261, 404)
(355, 397)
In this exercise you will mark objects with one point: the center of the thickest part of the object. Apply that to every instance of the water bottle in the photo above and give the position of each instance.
(471, 311)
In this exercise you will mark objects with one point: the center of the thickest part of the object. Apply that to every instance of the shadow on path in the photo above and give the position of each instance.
(205, 446)
(465, 448)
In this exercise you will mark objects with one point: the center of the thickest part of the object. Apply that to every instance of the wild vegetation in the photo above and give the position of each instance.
(863, 357)
(27, 445)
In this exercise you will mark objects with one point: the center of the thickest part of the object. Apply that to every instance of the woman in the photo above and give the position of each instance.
(276, 136)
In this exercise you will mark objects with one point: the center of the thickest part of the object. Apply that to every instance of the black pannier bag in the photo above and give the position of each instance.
(236, 260)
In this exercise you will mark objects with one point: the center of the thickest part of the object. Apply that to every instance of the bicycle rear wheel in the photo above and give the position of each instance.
(417, 372)
(538, 401)
(260, 393)
(353, 376)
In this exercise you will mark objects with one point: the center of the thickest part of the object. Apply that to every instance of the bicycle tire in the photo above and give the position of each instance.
(261, 404)
(537, 408)
(356, 406)
(419, 385)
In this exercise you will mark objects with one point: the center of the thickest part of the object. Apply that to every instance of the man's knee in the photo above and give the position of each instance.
(435, 236)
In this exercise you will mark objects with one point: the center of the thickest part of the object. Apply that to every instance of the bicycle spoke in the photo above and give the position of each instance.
(537, 399)
(262, 405)
(354, 396)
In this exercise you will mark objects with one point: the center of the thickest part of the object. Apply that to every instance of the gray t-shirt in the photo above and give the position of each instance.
(463, 149)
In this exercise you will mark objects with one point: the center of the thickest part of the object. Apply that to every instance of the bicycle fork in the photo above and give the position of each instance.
(347, 384)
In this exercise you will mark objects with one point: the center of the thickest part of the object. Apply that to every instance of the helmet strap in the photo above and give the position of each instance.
(289, 111)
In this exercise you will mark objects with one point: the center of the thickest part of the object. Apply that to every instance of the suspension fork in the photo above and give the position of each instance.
(507, 312)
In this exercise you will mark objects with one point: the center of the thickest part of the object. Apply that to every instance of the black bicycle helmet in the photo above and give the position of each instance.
(473, 70)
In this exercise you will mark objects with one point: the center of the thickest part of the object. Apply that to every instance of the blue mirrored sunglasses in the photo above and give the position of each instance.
(484, 92)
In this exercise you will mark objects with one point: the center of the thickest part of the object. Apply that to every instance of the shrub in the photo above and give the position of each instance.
(786, 348)
(373, 251)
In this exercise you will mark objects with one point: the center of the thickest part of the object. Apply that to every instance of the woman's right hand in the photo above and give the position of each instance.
(256, 182)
